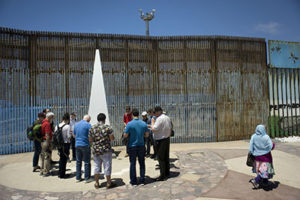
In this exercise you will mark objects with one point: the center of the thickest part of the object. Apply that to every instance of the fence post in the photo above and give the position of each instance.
(127, 71)
(214, 64)
(67, 88)
(32, 69)
(155, 67)
(186, 98)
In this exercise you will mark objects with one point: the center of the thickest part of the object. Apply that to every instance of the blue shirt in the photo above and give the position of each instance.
(136, 129)
(81, 132)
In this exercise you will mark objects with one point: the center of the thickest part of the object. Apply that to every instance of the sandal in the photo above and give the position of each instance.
(96, 186)
(111, 185)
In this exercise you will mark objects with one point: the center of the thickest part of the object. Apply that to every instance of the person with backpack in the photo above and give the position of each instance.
(47, 134)
(62, 135)
(37, 139)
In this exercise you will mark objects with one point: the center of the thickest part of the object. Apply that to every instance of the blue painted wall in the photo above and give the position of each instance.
(284, 54)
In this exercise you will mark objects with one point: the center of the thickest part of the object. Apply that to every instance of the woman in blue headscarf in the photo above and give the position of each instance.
(260, 147)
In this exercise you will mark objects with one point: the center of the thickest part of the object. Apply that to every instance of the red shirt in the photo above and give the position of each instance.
(127, 118)
(46, 128)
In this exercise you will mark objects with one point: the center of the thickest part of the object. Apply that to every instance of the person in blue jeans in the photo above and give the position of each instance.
(136, 130)
(83, 152)
(37, 141)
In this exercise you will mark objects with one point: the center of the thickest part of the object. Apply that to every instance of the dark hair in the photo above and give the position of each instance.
(41, 115)
(128, 108)
(73, 113)
(150, 110)
(66, 117)
(135, 112)
(157, 109)
(101, 117)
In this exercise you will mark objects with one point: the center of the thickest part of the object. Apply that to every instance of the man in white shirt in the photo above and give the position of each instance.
(161, 132)
(65, 149)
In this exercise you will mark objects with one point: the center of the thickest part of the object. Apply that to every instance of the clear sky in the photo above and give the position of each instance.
(270, 19)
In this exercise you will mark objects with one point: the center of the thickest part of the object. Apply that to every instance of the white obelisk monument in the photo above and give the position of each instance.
(98, 98)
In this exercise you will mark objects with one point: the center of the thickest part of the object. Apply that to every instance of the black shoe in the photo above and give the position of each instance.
(153, 156)
(161, 179)
(53, 162)
(147, 155)
(65, 176)
(36, 168)
(46, 175)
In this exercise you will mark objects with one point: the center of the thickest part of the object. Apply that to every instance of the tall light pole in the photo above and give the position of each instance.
(148, 17)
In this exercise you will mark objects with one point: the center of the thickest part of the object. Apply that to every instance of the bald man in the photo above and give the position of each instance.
(82, 145)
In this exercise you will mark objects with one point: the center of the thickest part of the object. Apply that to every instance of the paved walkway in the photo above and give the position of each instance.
(198, 171)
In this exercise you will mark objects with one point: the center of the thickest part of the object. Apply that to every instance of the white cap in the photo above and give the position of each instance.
(144, 113)
(50, 114)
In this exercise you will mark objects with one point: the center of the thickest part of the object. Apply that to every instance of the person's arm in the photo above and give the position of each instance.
(48, 131)
(69, 135)
(111, 137)
(273, 145)
(147, 131)
(74, 132)
(251, 145)
(270, 144)
(124, 120)
(91, 134)
(156, 126)
(126, 133)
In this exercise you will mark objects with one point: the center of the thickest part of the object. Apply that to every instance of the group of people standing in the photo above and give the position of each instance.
(43, 142)
(140, 134)
(85, 138)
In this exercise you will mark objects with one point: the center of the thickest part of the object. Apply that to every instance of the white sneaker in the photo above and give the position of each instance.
(132, 186)
(78, 181)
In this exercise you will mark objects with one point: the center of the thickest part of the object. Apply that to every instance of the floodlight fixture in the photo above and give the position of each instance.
(147, 18)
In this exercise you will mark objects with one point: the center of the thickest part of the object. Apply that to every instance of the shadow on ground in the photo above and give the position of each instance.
(269, 186)
(118, 181)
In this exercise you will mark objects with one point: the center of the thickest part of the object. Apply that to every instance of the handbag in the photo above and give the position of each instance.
(250, 160)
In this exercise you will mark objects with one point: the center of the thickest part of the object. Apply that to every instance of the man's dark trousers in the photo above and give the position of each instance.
(83, 154)
(163, 153)
(37, 152)
(63, 154)
(139, 152)
(73, 148)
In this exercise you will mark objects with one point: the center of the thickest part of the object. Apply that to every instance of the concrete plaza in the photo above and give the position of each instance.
(198, 171)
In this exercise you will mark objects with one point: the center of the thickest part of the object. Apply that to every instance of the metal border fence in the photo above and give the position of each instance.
(214, 88)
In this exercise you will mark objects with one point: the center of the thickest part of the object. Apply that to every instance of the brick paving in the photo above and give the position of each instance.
(192, 174)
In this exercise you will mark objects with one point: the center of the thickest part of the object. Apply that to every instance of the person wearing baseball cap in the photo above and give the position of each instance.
(149, 139)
